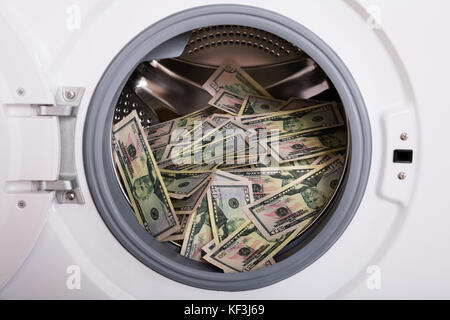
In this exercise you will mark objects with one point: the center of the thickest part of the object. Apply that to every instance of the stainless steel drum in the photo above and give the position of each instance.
(163, 89)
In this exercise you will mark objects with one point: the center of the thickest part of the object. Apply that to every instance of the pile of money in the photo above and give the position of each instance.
(235, 181)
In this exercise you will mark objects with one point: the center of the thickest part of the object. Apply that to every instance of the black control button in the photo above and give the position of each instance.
(403, 156)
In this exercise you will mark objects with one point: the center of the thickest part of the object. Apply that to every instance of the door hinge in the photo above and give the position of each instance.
(67, 101)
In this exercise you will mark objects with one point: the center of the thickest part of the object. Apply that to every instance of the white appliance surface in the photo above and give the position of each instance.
(399, 234)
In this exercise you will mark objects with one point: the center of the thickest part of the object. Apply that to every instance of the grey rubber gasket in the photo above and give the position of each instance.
(113, 206)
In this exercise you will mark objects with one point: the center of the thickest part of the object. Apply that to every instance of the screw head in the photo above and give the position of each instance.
(401, 175)
(69, 95)
(70, 195)
(20, 92)
(404, 136)
(21, 204)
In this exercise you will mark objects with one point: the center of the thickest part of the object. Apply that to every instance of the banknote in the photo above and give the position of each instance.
(247, 249)
(225, 137)
(158, 153)
(182, 184)
(268, 162)
(220, 118)
(178, 152)
(270, 262)
(164, 133)
(159, 129)
(202, 167)
(202, 128)
(183, 219)
(281, 212)
(328, 156)
(217, 152)
(220, 133)
(297, 103)
(198, 233)
(188, 120)
(225, 201)
(209, 247)
(177, 243)
(304, 120)
(187, 163)
(223, 176)
(229, 162)
(203, 134)
(196, 135)
(175, 164)
(246, 165)
(190, 204)
(142, 179)
(159, 142)
(254, 105)
(233, 146)
(177, 135)
(306, 145)
(234, 182)
(243, 118)
(230, 128)
(227, 101)
(304, 162)
(266, 181)
(232, 78)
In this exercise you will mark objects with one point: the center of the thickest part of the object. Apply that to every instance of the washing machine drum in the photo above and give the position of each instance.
(226, 225)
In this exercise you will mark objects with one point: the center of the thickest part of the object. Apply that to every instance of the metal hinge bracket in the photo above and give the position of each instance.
(67, 101)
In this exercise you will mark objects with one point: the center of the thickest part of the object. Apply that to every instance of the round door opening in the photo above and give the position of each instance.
(227, 156)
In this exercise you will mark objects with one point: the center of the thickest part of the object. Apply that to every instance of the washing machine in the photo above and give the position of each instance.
(71, 69)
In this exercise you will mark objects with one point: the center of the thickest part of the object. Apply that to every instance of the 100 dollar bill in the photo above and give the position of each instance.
(142, 179)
